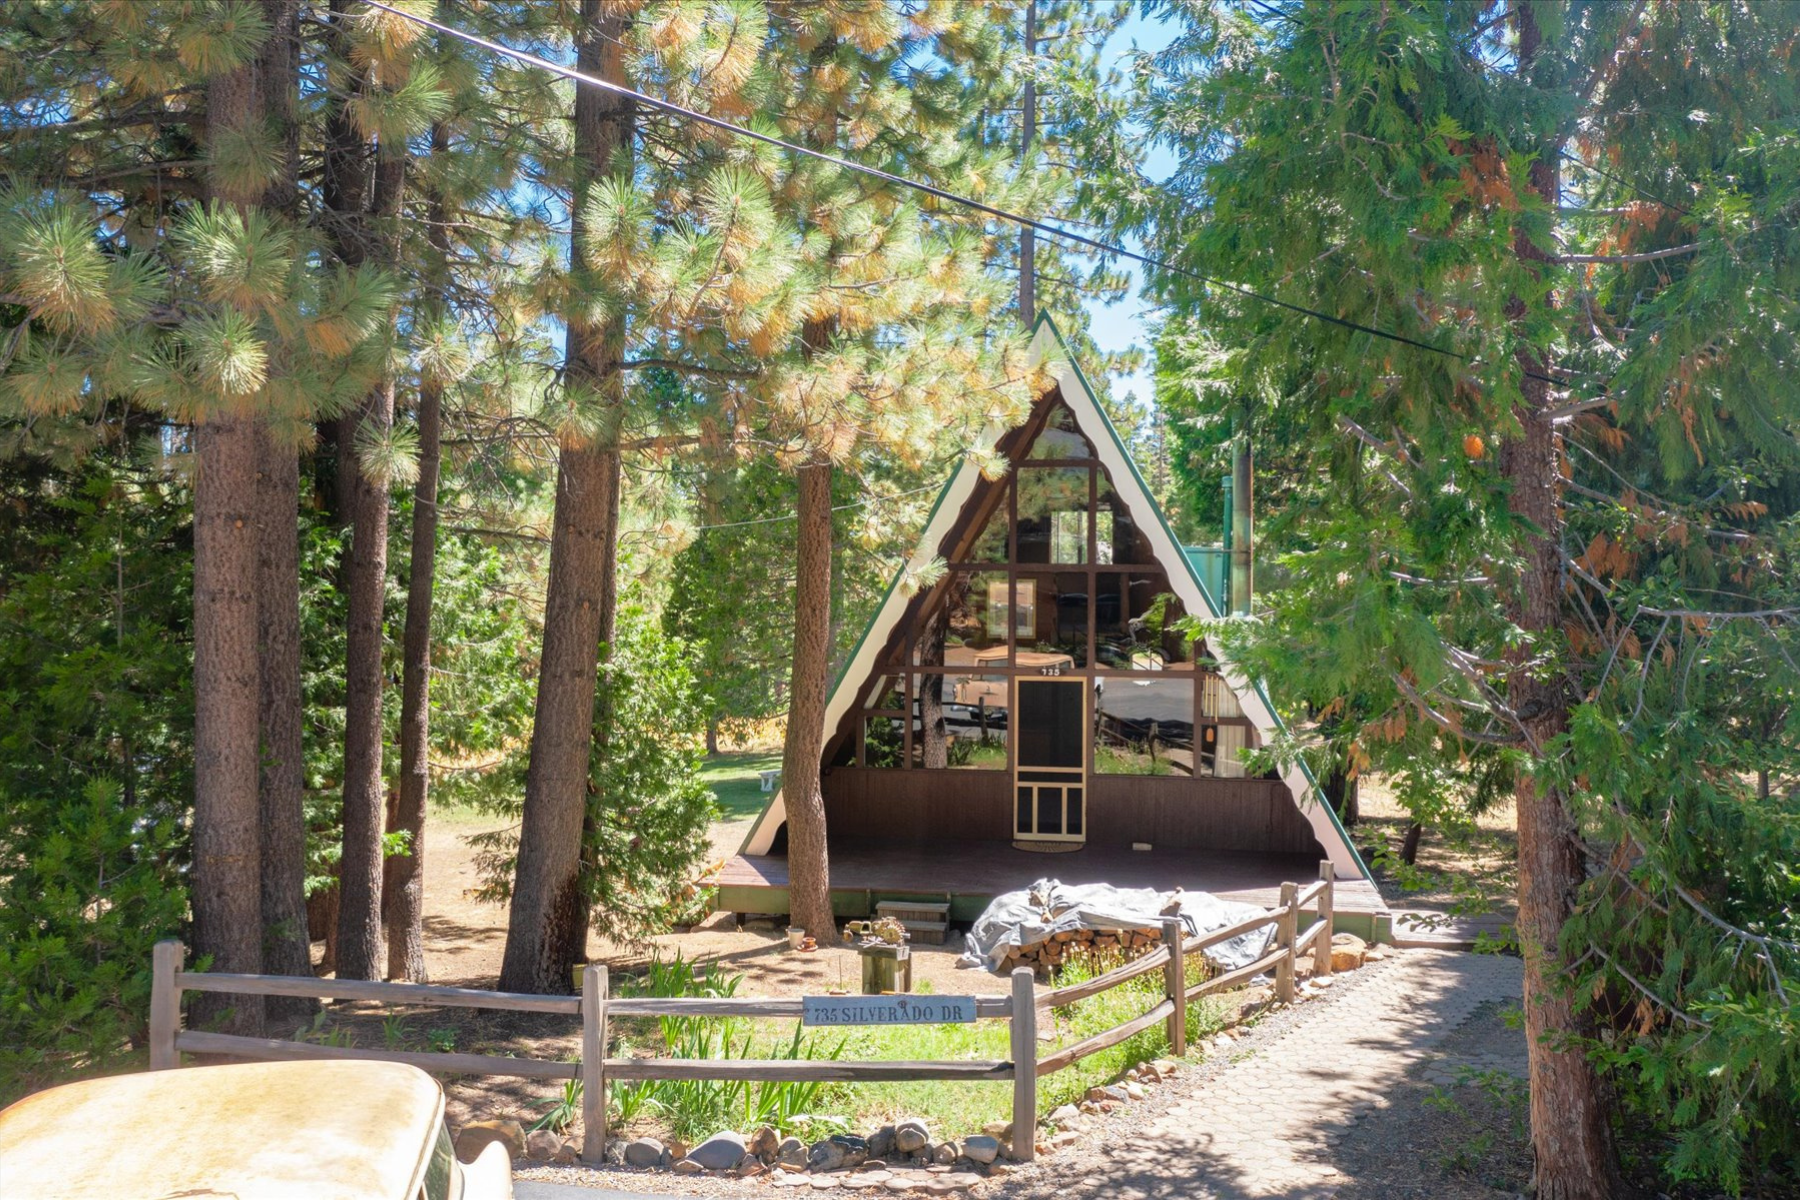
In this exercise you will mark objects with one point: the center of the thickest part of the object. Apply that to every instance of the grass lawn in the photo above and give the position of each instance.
(734, 780)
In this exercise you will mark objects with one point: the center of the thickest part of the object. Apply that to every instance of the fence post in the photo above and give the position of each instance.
(1286, 925)
(1024, 1056)
(593, 1065)
(1175, 985)
(1322, 943)
(165, 1004)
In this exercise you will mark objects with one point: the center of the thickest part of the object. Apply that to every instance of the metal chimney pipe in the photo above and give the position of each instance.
(1242, 536)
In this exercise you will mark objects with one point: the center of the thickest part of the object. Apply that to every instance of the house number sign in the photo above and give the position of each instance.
(887, 1010)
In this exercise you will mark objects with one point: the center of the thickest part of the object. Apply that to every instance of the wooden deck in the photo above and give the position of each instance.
(972, 873)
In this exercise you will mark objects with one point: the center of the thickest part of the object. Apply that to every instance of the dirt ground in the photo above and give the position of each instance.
(465, 939)
(1466, 869)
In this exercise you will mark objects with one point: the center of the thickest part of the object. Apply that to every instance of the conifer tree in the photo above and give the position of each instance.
(547, 921)
(1529, 536)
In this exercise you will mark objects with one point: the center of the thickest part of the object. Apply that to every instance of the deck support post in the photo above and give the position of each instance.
(1175, 985)
(165, 1004)
(1024, 1056)
(593, 1065)
(1287, 925)
(1322, 944)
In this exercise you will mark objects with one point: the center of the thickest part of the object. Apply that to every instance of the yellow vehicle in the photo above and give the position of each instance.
(257, 1131)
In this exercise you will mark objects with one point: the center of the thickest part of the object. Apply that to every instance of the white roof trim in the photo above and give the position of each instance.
(1047, 347)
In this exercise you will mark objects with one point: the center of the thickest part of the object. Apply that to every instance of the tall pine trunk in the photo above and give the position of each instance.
(359, 950)
(403, 888)
(809, 863)
(287, 946)
(287, 949)
(547, 925)
(1569, 1121)
(226, 891)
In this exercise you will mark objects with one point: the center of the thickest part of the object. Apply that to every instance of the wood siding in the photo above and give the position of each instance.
(922, 806)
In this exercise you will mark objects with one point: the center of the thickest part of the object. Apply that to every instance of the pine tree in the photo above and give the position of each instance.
(1536, 197)
(547, 922)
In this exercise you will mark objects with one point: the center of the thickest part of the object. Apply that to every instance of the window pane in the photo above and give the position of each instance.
(1053, 514)
(1137, 622)
(1053, 632)
(968, 628)
(884, 742)
(886, 694)
(1144, 726)
(1049, 810)
(1217, 699)
(959, 721)
(1227, 764)
(991, 546)
(1060, 438)
(1126, 542)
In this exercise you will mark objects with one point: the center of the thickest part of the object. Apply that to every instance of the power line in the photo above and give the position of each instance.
(1020, 220)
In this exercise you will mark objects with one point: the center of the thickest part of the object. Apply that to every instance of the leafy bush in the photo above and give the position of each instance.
(95, 760)
(649, 808)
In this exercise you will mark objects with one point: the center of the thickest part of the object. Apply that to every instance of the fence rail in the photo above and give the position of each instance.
(595, 1007)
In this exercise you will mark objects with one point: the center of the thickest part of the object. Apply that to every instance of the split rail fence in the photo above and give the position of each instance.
(595, 1007)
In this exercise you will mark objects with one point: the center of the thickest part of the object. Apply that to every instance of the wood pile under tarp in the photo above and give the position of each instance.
(1050, 923)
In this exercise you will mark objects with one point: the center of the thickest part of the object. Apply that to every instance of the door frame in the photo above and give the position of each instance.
(1063, 778)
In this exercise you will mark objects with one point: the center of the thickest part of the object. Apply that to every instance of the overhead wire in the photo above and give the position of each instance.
(1019, 219)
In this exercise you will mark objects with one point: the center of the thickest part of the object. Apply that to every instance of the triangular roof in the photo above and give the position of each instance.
(1185, 580)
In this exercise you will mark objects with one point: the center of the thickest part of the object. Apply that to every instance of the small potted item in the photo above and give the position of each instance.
(795, 936)
(808, 945)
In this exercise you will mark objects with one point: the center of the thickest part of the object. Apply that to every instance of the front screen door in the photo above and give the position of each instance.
(1050, 778)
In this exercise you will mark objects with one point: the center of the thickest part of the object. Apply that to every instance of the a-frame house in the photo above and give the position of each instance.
(1034, 713)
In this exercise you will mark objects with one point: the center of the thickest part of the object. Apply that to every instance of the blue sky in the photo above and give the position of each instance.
(1121, 326)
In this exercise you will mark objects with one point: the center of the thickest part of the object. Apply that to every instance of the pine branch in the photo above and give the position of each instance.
(669, 364)
(1646, 256)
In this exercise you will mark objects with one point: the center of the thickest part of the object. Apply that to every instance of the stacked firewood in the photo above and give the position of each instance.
(1070, 944)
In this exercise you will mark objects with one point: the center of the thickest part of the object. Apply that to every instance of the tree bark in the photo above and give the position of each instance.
(287, 943)
(403, 887)
(809, 865)
(1571, 1134)
(1409, 845)
(359, 950)
(226, 888)
(547, 925)
(287, 948)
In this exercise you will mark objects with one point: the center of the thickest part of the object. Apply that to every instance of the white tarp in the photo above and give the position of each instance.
(1049, 907)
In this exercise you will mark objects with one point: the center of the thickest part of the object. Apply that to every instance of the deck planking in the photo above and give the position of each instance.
(986, 869)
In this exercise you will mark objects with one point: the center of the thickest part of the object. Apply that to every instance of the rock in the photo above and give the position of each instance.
(792, 1152)
(787, 1179)
(1147, 1073)
(828, 1155)
(911, 1134)
(474, 1137)
(1063, 1115)
(1111, 1091)
(981, 1148)
(1165, 1066)
(1375, 953)
(873, 1164)
(881, 1142)
(999, 1129)
(945, 1154)
(688, 1166)
(1087, 1107)
(1136, 1091)
(750, 1166)
(996, 1169)
(720, 1152)
(643, 1152)
(1347, 951)
(1066, 1137)
(541, 1145)
(764, 1143)
(676, 1148)
(567, 1155)
(615, 1151)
